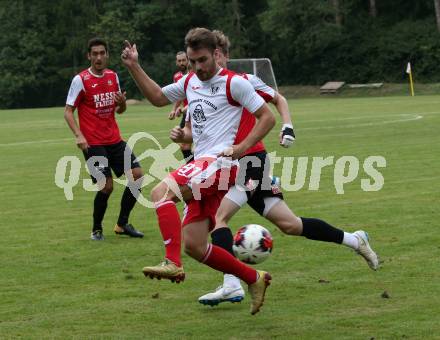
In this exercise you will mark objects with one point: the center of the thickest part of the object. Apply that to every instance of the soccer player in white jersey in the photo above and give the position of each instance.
(216, 98)
(268, 202)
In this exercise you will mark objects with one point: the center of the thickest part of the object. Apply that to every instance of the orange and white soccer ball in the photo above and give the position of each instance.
(252, 244)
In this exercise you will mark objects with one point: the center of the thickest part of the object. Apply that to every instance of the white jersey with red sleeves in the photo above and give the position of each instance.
(261, 87)
(214, 107)
(248, 120)
(94, 95)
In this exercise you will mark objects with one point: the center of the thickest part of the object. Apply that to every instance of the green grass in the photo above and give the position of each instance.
(55, 282)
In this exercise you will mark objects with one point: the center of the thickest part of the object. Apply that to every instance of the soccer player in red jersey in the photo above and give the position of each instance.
(180, 107)
(182, 65)
(96, 94)
(216, 98)
(267, 200)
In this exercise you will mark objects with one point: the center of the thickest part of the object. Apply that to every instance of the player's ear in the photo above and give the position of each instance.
(88, 56)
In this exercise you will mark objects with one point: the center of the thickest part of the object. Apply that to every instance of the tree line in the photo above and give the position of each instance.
(43, 44)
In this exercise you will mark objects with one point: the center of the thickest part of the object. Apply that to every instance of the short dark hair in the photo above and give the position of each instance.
(97, 42)
(223, 42)
(198, 38)
(181, 52)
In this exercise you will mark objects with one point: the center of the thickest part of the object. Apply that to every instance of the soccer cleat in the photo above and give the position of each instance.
(365, 250)
(258, 289)
(222, 294)
(165, 270)
(127, 229)
(97, 235)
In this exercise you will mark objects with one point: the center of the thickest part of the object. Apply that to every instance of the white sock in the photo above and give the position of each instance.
(231, 281)
(350, 241)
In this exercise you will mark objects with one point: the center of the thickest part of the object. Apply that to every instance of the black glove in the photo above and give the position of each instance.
(287, 135)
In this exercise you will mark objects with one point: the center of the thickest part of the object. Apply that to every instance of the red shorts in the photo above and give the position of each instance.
(210, 180)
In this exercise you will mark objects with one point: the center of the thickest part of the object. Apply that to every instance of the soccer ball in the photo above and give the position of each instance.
(252, 244)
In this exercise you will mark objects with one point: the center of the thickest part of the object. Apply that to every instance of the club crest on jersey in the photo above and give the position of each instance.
(198, 114)
(214, 89)
(110, 82)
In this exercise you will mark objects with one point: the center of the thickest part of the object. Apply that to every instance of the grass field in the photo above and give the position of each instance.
(55, 282)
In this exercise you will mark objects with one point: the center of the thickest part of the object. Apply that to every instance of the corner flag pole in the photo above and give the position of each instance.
(411, 84)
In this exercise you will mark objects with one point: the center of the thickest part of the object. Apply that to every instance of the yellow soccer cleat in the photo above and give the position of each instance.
(165, 270)
(257, 291)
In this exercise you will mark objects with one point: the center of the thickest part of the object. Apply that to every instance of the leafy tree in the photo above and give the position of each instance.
(43, 44)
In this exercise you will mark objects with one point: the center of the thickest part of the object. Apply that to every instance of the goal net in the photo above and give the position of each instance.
(261, 67)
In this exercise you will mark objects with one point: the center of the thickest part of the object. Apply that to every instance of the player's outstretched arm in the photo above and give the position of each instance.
(149, 88)
(282, 107)
(287, 135)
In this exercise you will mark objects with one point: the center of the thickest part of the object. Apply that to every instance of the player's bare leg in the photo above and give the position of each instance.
(195, 237)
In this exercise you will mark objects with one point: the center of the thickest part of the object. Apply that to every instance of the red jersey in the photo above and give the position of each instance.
(94, 95)
(177, 76)
(248, 120)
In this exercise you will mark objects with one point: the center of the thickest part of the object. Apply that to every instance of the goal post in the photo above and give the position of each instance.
(261, 67)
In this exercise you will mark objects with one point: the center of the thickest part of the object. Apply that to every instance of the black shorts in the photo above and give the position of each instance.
(265, 187)
(114, 156)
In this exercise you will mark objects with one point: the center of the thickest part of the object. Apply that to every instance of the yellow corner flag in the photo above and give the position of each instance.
(411, 84)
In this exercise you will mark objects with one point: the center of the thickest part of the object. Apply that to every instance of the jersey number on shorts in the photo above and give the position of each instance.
(189, 170)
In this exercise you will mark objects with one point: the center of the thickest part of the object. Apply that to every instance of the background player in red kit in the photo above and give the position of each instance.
(96, 93)
(179, 108)
(182, 65)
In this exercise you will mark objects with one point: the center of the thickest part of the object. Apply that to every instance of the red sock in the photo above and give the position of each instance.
(171, 230)
(219, 259)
